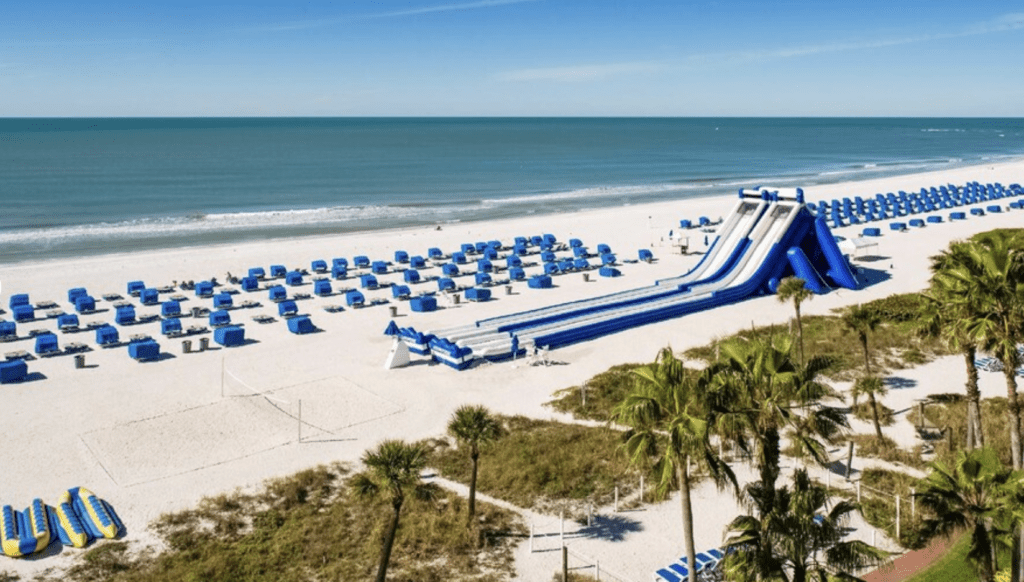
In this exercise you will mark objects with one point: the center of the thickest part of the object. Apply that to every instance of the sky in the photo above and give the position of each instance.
(512, 58)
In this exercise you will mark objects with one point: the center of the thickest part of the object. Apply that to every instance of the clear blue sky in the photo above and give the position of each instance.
(512, 57)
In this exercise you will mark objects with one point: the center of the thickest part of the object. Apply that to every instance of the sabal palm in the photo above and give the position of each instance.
(968, 495)
(670, 424)
(392, 474)
(473, 426)
(862, 321)
(871, 386)
(990, 274)
(944, 314)
(798, 539)
(763, 392)
(794, 288)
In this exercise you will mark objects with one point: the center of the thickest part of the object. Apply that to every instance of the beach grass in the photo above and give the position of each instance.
(309, 526)
(544, 464)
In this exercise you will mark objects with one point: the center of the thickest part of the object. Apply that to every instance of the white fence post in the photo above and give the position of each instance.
(858, 491)
(531, 537)
(561, 528)
(913, 504)
(641, 488)
(897, 519)
(616, 498)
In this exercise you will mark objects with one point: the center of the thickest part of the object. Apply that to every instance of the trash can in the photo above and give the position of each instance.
(508, 289)
(186, 346)
(197, 312)
(80, 361)
(204, 344)
(586, 277)
(455, 298)
(394, 310)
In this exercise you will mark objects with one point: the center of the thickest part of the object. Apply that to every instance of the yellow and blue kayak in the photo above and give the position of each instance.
(64, 522)
(25, 532)
(94, 514)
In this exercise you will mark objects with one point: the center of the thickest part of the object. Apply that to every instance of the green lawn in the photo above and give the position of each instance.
(953, 566)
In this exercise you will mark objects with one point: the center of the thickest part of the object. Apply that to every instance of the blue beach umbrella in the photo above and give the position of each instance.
(392, 328)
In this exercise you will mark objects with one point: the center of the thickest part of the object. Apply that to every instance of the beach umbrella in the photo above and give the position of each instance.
(392, 328)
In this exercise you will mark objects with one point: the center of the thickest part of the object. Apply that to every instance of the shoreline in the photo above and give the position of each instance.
(141, 435)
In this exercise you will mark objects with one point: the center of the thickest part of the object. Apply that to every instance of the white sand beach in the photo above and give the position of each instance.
(156, 437)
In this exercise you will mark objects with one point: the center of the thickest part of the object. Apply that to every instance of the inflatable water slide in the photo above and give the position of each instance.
(768, 235)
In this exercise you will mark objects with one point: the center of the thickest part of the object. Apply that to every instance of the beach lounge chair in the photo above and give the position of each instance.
(400, 291)
(435, 253)
(368, 281)
(516, 274)
(145, 350)
(301, 325)
(445, 284)
(565, 265)
(423, 303)
(204, 289)
(339, 262)
(249, 283)
(286, 308)
(480, 246)
(85, 304)
(575, 243)
(277, 293)
(540, 282)
(513, 261)
(934, 219)
(229, 336)
(257, 272)
(67, 322)
(550, 268)
(482, 279)
(46, 344)
(107, 335)
(607, 259)
(13, 371)
(490, 253)
(379, 267)
(354, 298)
(339, 271)
(459, 257)
(608, 272)
(361, 261)
(521, 250)
(495, 244)
(322, 288)
(467, 249)
(411, 276)
(75, 293)
(417, 262)
(450, 269)
(23, 313)
(293, 278)
(580, 252)
(401, 257)
(666, 575)
(603, 249)
(484, 266)
(520, 240)
(149, 296)
(8, 331)
(125, 315)
(318, 266)
(171, 327)
(223, 301)
(278, 271)
(548, 257)
(871, 232)
(645, 255)
(536, 240)
(135, 287)
(581, 264)
(219, 318)
(477, 294)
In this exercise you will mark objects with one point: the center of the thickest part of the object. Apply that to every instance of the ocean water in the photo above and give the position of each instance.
(72, 187)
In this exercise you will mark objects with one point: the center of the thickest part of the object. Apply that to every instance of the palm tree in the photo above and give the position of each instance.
(670, 424)
(944, 313)
(968, 495)
(794, 288)
(473, 427)
(798, 539)
(761, 392)
(871, 386)
(862, 321)
(392, 473)
(992, 275)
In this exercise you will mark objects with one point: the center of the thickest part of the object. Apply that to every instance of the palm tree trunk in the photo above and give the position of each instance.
(475, 456)
(874, 416)
(769, 469)
(683, 474)
(977, 437)
(867, 359)
(800, 333)
(1013, 410)
(389, 540)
